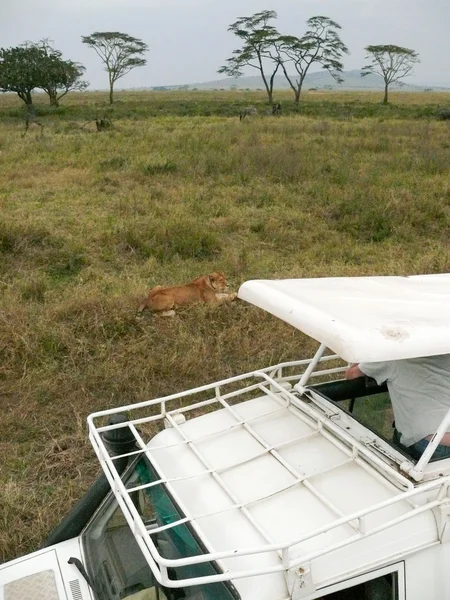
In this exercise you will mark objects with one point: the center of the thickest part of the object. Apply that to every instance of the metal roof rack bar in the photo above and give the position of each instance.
(323, 424)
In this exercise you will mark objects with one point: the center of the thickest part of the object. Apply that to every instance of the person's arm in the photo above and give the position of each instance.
(380, 371)
(353, 372)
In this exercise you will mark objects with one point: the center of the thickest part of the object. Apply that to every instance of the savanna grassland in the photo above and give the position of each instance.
(176, 188)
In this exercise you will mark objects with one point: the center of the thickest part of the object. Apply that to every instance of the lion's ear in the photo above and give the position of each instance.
(212, 277)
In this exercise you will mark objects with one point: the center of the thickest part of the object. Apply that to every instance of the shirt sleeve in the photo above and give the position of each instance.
(380, 371)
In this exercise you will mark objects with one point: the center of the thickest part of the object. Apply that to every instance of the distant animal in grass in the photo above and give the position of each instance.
(250, 111)
(276, 109)
(211, 289)
(444, 115)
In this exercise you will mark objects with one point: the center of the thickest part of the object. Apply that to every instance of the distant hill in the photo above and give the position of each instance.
(320, 80)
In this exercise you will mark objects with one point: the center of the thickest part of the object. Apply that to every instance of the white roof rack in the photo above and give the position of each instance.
(273, 483)
(363, 319)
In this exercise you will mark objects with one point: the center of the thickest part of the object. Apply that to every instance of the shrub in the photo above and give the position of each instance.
(116, 163)
(34, 290)
(186, 241)
(159, 167)
(8, 240)
(22, 238)
(183, 239)
(65, 263)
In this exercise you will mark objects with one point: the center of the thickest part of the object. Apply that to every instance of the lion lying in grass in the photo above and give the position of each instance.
(210, 288)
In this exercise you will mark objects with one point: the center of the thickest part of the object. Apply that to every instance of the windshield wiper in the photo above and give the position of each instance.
(79, 565)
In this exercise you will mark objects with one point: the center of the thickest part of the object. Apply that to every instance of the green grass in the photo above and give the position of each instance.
(222, 103)
(177, 188)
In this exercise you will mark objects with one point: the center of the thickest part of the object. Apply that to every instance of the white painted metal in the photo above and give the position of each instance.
(417, 471)
(39, 586)
(274, 483)
(310, 368)
(363, 318)
(44, 574)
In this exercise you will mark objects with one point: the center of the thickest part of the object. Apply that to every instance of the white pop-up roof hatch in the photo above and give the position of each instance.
(363, 318)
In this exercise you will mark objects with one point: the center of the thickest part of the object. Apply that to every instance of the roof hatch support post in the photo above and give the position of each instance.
(300, 386)
(417, 471)
(300, 582)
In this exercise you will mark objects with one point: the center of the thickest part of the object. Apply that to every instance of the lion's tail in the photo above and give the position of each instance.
(150, 295)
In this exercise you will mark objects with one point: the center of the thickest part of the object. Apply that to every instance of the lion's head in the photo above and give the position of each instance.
(218, 282)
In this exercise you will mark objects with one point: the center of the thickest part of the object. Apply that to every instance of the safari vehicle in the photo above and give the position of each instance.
(268, 486)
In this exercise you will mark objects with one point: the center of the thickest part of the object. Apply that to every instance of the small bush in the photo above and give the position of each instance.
(159, 167)
(184, 240)
(53, 347)
(66, 263)
(20, 238)
(135, 242)
(34, 290)
(116, 163)
(188, 241)
(365, 219)
(8, 240)
(258, 227)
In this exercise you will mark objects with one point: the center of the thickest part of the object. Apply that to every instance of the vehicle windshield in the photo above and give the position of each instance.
(115, 562)
(368, 402)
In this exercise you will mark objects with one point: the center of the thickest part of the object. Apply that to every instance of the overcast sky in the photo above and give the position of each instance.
(189, 41)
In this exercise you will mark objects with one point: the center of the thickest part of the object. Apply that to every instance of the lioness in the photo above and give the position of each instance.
(209, 288)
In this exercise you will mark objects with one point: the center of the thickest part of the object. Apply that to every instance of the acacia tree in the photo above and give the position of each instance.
(38, 65)
(258, 38)
(119, 52)
(21, 71)
(61, 76)
(390, 62)
(320, 44)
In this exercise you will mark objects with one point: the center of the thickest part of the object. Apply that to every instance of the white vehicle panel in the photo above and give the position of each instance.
(279, 484)
(363, 318)
(44, 575)
(40, 572)
(287, 493)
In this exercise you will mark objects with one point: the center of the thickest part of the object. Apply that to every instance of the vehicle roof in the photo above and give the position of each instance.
(272, 477)
(276, 484)
(363, 319)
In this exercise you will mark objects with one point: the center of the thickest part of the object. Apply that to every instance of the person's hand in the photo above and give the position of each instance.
(353, 372)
